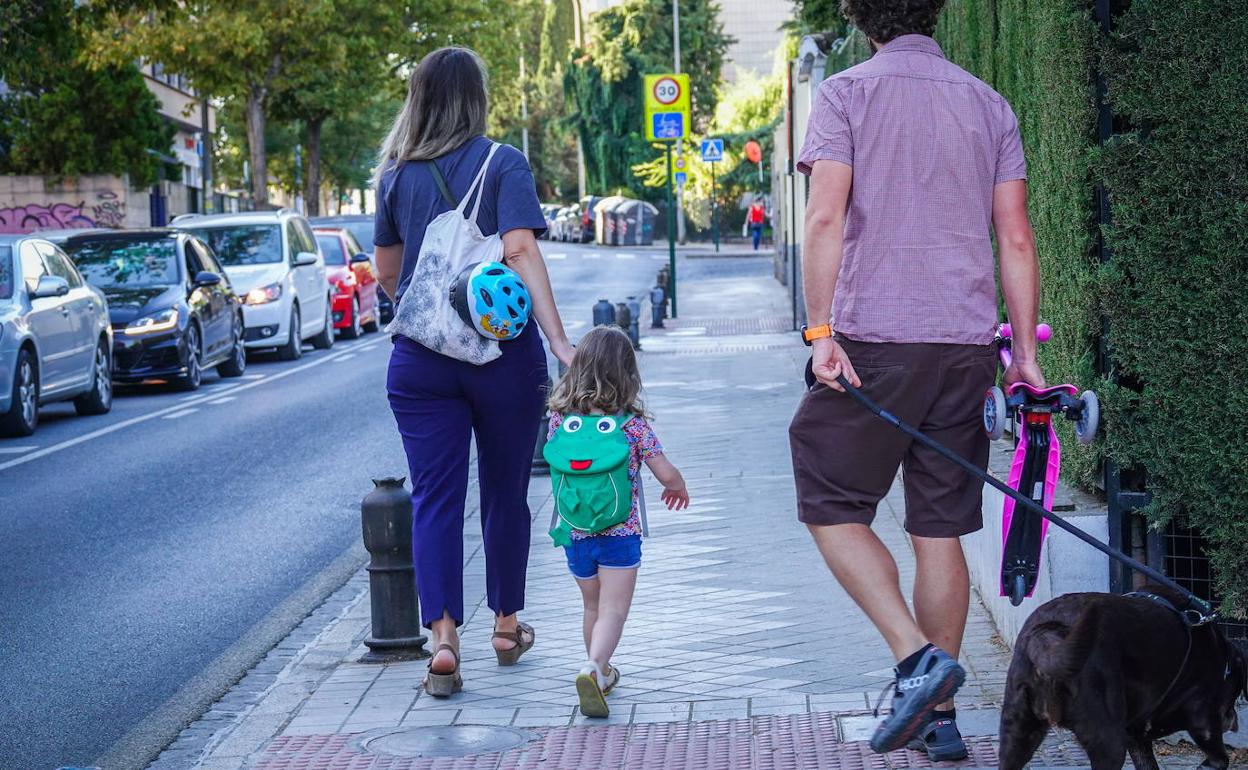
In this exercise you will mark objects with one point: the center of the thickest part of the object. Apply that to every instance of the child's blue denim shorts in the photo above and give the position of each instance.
(586, 555)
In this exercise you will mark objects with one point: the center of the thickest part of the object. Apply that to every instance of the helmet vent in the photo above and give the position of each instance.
(487, 298)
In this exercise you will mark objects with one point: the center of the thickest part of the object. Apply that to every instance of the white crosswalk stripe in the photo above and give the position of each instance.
(180, 413)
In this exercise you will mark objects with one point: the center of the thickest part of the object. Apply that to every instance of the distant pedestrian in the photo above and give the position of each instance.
(913, 165)
(756, 217)
(440, 402)
(597, 407)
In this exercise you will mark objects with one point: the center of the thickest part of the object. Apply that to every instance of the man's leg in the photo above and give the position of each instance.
(866, 570)
(942, 593)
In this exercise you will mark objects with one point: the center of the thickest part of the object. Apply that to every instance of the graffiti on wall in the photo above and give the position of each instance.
(109, 210)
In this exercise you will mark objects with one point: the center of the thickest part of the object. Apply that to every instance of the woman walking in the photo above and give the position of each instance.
(433, 154)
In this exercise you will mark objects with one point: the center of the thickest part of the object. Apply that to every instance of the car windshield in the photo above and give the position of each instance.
(6, 273)
(244, 244)
(331, 247)
(120, 264)
(363, 232)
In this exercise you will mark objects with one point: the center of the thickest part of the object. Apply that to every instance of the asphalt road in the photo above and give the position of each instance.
(149, 556)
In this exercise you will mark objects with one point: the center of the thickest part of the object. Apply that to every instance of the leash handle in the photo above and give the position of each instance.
(1198, 607)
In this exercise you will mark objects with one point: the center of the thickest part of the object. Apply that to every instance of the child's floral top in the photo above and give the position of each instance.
(642, 444)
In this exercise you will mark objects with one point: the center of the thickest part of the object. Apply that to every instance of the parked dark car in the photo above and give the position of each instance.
(173, 310)
(361, 226)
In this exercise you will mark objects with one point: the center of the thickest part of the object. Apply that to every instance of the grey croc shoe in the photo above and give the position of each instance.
(934, 680)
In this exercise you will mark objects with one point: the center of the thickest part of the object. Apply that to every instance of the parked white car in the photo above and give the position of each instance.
(56, 343)
(277, 268)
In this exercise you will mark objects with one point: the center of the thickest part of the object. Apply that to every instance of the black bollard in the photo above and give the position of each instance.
(662, 281)
(634, 322)
(604, 313)
(622, 316)
(658, 299)
(386, 515)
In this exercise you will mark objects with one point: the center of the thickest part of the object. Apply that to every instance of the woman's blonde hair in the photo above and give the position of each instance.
(603, 377)
(447, 102)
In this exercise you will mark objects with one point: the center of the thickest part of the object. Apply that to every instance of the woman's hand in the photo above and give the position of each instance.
(563, 351)
(676, 499)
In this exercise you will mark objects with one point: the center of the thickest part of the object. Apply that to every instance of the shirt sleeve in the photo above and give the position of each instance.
(828, 136)
(1011, 164)
(385, 233)
(643, 438)
(518, 206)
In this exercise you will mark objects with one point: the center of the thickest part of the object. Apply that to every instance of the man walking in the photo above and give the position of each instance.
(913, 164)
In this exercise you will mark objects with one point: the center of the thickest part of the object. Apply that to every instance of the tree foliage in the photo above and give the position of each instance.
(63, 118)
(603, 83)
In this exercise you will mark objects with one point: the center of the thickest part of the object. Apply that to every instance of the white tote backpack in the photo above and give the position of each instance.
(452, 242)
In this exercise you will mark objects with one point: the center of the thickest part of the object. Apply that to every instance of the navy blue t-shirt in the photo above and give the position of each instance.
(408, 198)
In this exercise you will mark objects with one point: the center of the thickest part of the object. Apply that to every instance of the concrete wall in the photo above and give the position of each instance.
(28, 204)
(1067, 565)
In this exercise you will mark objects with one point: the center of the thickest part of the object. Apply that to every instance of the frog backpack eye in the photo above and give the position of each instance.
(572, 424)
(605, 424)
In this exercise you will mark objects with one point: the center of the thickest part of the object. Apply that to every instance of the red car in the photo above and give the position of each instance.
(350, 272)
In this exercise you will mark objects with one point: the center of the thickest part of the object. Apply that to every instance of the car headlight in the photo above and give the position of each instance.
(157, 322)
(264, 294)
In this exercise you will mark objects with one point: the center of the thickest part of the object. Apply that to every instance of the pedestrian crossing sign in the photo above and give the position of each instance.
(667, 106)
(712, 150)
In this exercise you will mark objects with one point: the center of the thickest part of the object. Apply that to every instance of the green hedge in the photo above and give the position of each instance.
(1174, 290)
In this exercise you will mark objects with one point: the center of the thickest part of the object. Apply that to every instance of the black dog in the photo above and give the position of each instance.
(1118, 672)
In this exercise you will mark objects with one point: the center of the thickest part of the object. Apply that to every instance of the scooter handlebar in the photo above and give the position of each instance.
(1043, 332)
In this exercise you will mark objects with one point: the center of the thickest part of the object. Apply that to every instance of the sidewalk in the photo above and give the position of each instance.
(741, 650)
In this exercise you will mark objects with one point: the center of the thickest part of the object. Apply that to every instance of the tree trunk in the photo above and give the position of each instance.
(254, 112)
(312, 182)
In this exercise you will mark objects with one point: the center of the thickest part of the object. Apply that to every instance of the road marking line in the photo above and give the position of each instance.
(556, 256)
(16, 450)
(182, 413)
(625, 255)
(151, 416)
(224, 400)
(345, 356)
(592, 255)
(658, 256)
(253, 376)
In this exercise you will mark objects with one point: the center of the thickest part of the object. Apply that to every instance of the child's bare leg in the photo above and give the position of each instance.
(589, 598)
(615, 596)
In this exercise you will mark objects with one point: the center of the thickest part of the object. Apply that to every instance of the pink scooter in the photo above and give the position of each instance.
(1037, 460)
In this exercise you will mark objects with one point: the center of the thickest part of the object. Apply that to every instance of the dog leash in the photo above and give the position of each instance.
(1187, 626)
(1197, 612)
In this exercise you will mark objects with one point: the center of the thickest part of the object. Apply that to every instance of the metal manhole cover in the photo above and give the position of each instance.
(454, 741)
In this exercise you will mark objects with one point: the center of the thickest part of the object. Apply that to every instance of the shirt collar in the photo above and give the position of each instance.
(920, 43)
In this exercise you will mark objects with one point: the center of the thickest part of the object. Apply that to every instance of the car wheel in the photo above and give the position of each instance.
(98, 400)
(194, 376)
(325, 339)
(293, 348)
(23, 414)
(236, 364)
(354, 330)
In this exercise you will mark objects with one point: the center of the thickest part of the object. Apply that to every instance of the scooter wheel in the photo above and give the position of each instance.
(994, 413)
(1090, 418)
(1018, 590)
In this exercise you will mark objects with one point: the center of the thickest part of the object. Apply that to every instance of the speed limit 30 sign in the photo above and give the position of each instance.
(667, 106)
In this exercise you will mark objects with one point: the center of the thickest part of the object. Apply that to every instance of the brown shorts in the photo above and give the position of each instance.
(845, 458)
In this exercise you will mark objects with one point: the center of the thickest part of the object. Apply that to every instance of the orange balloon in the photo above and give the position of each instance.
(753, 152)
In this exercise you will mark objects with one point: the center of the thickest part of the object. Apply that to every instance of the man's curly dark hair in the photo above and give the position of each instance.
(883, 20)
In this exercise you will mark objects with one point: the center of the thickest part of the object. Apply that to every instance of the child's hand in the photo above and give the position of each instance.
(676, 499)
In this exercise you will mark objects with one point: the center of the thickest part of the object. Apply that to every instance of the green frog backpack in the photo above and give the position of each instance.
(588, 456)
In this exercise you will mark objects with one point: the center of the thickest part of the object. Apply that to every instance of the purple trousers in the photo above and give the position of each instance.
(439, 403)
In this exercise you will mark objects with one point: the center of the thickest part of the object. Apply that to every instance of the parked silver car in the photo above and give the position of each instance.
(55, 339)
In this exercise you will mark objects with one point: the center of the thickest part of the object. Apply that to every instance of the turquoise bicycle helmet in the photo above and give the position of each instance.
(492, 299)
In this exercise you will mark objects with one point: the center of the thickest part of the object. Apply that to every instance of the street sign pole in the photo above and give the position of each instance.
(671, 231)
(714, 211)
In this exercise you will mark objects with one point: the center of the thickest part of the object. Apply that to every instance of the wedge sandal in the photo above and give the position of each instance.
(511, 655)
(444, 685)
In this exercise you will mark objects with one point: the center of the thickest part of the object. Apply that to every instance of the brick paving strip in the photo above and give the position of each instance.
(741, 650)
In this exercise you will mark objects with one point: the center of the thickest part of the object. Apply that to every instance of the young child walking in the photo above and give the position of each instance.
(599, 438)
